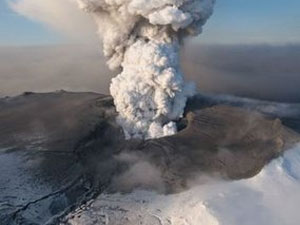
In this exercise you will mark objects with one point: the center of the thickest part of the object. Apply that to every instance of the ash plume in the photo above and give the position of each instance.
(142, 38)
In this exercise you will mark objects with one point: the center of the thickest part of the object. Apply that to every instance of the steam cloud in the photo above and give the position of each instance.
(142, 38)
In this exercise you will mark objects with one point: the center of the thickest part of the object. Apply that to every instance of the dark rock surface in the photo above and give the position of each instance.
(57, 150)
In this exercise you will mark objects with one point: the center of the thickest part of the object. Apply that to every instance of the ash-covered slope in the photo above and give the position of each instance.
(40, 173)
(58, 150)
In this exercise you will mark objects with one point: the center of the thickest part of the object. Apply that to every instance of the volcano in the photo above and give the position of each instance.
(61, 150)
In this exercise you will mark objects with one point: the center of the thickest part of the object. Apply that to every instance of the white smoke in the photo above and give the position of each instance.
(60, 15)
(142, 38)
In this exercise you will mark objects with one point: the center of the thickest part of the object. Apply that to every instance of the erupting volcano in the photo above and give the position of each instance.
(142, 38)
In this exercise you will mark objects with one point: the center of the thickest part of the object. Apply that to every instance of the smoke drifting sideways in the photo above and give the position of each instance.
(142, 38)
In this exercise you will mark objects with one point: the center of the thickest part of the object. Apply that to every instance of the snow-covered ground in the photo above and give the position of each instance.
(270, 198)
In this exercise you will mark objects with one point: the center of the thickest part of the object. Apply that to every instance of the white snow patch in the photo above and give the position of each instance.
(270, 198)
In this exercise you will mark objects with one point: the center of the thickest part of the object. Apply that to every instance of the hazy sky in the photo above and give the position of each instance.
(234, 21)
(17, 30)
(260, 71)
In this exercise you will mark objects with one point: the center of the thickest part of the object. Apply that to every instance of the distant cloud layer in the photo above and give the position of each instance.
(43, 69)
(258, 71)
(264, 72)
(60, 15)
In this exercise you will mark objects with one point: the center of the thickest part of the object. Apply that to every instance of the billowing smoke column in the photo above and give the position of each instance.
(142, 38)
